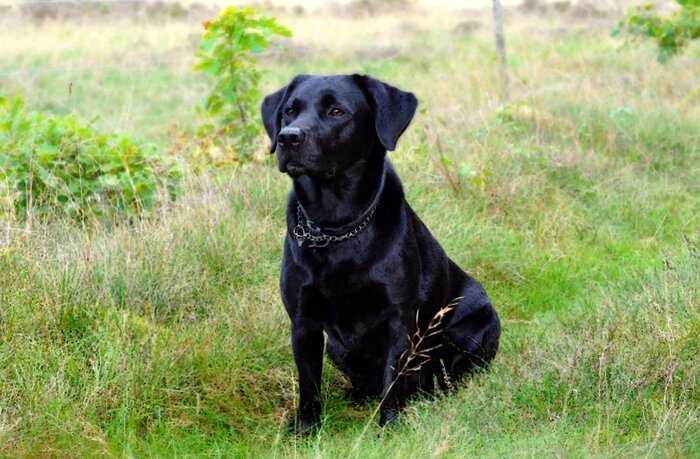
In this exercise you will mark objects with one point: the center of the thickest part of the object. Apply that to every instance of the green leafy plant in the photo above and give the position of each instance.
(672, 33)
(55, 165)
(227, 53)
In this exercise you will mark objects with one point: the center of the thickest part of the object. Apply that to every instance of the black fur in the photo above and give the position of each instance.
(366, 292)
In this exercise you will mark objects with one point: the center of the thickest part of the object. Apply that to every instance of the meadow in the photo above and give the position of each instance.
(577, 206)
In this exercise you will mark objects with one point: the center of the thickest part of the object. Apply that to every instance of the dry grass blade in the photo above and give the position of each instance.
(413, 358)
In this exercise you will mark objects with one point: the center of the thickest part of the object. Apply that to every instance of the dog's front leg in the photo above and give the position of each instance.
(396, 382)
(307, 345)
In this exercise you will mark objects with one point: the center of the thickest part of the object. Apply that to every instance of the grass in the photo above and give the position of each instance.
(577, 206)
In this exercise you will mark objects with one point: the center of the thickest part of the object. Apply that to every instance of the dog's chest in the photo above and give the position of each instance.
(346, 285)
(352, 315)
(352, 286)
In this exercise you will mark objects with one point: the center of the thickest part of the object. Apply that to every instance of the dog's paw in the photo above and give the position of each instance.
(302, 425)
(358, 397)
(388, 416)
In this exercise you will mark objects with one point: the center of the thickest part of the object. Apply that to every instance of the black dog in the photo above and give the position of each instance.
(358, 263)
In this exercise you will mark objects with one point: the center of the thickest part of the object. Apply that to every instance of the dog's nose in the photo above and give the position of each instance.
(291, 136)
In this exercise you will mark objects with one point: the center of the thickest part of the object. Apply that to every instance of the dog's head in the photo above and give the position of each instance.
(321, 125)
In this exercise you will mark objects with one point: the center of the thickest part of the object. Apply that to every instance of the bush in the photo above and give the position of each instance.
(672, 33)
(227, 53)
(52, 165)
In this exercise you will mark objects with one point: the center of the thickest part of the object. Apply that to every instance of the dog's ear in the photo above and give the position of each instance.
(393, 108)
(271, 109)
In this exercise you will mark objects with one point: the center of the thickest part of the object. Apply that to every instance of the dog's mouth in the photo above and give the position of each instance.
(294, 170)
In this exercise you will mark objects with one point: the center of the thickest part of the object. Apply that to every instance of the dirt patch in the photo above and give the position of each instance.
(588, 10)
(362, 8)
(561, 7)
(533, 6)
(158, 10)
(467, 27)
(581, 9)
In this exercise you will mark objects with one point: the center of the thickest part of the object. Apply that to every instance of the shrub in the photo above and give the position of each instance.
(51, 165)
(227, 53)
(672, 33)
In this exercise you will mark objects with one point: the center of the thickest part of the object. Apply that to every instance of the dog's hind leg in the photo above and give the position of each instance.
(471, 338)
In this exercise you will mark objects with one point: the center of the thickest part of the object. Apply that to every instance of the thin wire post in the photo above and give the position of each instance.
(501, 48)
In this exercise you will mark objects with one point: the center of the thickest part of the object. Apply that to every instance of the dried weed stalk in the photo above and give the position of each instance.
(414, 357)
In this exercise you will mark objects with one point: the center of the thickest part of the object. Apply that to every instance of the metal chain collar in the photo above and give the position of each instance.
(306, 230)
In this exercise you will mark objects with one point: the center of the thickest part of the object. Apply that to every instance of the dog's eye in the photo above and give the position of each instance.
(335, 112)
(289, 111)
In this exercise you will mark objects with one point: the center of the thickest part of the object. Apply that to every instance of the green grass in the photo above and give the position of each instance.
(579, 214)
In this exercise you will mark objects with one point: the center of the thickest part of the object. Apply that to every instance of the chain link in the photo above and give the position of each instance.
(306, 230)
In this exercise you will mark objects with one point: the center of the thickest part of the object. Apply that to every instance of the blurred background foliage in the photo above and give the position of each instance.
(227, 55)
(672, 32)
(55, 165)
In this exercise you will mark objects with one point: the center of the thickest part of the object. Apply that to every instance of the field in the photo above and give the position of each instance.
(577, 206)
